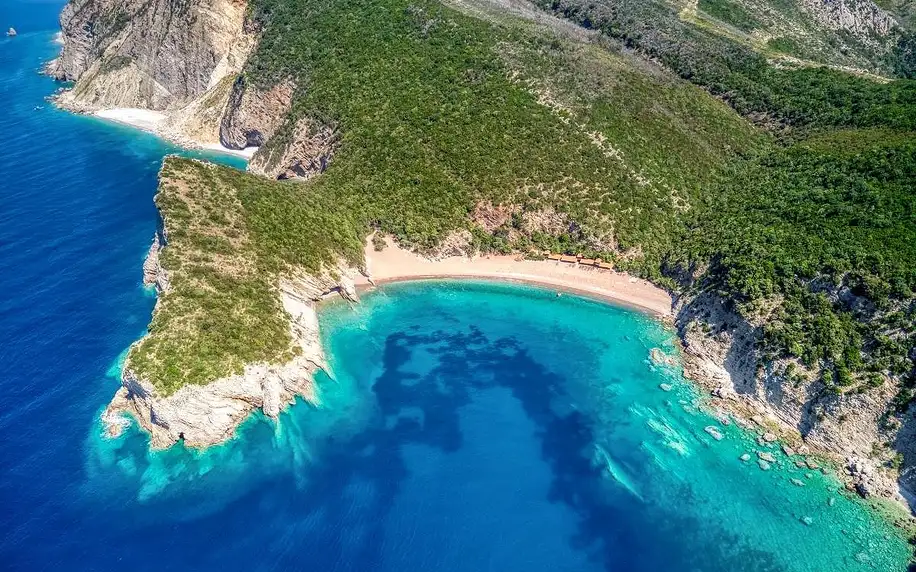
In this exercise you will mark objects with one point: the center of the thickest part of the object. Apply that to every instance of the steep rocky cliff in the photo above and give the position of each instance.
(185, 60)
(158, 54)
(253, 115)
(301, 154)
(853, 429)
(176, 57)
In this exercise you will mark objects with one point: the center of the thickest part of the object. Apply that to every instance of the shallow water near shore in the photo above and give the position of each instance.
(462, 426)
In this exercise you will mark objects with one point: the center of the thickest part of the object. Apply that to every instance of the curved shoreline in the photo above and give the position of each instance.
(394, 264)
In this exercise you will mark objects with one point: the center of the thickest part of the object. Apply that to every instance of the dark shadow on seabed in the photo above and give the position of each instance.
(618, 531)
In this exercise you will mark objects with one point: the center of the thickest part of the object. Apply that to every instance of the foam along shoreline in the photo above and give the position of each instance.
(153, 121)
(394, 264)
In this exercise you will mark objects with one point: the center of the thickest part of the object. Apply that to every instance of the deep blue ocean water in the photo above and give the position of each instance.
(463, 426)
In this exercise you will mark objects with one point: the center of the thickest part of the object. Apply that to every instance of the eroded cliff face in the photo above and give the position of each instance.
(289, 148)
(781, 396)
(253, 115)
(205, 415)
(862, 19)
(306, 152)
(151, 54)
(185, 58)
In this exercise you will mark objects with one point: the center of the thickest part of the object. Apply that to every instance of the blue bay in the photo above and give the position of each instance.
(462, 425)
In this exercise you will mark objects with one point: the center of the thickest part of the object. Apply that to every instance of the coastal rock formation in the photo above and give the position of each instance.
(153, 272)
(196, 377)
(720, 354)
(149, 54)
(253, 115)
(306, 153)
(204, 415)
(178, 58)
(185, 60)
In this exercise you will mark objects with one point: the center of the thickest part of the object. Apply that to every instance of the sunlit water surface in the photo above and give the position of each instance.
(463, 426)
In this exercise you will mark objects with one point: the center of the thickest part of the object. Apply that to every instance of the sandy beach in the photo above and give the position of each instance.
(395, 264)
(153, 121)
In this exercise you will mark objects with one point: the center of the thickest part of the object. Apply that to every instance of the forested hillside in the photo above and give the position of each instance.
(807, 222)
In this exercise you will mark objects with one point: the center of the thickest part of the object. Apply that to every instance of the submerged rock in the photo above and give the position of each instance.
(764, 466)
(713, 432)
(788, 451)
(807, 520)
(765, 456)
(798, 482)
(745, 457)
(665, 386)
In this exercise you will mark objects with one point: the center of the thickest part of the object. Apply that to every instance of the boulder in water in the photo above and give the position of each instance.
(713, 432)
(745, 457)
(11, 32)
(765, 456)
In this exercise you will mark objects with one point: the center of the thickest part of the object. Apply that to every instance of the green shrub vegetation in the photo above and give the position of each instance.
(432, 122)
(230, 235)
(822, 221)
(729, 12)
(806, 219)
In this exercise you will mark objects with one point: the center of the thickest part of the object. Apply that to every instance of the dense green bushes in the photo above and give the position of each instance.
(439, 112)
(230, 237)
(827, 226)
(823, 222)
(432, 121)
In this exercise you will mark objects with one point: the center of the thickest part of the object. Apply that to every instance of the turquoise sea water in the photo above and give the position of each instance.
(463, 426)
